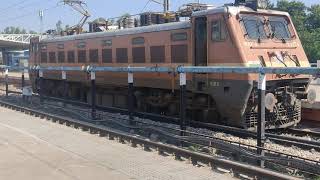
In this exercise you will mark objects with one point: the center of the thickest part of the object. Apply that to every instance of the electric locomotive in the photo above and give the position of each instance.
(232, 35)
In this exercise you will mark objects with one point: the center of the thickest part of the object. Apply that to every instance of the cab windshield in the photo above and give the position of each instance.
(264, 27)
(254, 27)
(279, 28)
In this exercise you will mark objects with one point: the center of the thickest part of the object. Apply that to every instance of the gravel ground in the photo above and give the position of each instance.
(295, 151)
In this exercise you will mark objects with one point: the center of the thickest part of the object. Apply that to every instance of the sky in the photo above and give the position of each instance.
(25, 13)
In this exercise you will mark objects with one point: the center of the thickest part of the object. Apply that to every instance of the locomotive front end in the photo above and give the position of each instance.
(242, 35)
(270, 40)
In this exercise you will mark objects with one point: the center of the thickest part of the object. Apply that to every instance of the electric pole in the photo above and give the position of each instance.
(41, 14)
(166, 5)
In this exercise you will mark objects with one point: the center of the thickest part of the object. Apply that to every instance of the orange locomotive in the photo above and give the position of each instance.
(224, 36)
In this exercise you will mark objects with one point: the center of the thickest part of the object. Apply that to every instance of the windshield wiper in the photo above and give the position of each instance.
(259, 34)
(274, 34)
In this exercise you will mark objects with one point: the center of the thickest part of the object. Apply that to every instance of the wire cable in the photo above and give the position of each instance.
(145, 6)
(27, 14)
(13, 5)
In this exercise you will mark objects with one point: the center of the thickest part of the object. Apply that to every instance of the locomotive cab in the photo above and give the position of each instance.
(241, 36)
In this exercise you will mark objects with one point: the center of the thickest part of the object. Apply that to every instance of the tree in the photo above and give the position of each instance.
(270, 5)
(296, 9)
(14, 30)
(307, 22)
(313, 19)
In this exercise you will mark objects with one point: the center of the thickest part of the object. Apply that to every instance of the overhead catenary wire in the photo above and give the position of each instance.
(24, 6)
(145, 6)
(27, 14)
(13, 5)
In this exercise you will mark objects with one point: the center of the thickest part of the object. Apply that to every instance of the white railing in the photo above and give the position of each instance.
(18, 38)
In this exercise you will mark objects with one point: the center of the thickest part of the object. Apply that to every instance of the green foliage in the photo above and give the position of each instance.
(17, 30)
(14, 30)
(313, 20)
(307, 22)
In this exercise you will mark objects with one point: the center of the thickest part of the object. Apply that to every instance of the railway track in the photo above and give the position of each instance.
(231, 148)
(238, 169)
(275, 136)
(280, 139)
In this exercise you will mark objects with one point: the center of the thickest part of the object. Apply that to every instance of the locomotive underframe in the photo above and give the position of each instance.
(287, 109)
(206, 100)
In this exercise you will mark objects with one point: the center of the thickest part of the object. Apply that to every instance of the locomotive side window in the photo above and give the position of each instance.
(82, 56)
(71, 56)
(138, 54)
(157, 54)
(81, 44)
(179, 36)
(44, 57)
(122, 55)
(61, 56)
(94, 55)
(138, 40)
(107, 55)
(218, 31)
(52, 57)
(179, 53)
(60, 46)
(106, 42)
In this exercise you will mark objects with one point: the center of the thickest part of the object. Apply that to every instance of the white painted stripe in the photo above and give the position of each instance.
(262, 82)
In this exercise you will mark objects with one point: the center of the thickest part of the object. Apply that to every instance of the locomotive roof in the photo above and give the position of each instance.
(118, 32)
(234, 10)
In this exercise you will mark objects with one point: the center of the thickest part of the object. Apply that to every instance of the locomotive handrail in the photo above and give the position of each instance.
(180, 69)
(133, 69)
(246, 70)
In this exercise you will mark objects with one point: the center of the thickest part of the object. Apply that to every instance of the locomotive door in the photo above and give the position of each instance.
(200, 41)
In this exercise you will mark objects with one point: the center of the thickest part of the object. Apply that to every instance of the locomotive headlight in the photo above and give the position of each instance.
(270, 101)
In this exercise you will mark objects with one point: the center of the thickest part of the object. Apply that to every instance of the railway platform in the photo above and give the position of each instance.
(32, 148)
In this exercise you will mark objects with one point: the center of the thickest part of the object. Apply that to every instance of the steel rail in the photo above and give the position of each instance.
(302, 143)
(243, 150)
(303, 132)
(215, 162)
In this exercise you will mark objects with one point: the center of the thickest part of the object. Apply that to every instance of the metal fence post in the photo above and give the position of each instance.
(130, 97)
(183, 83)
(261, 117)
(7, 83)
(41, 85)
(93, 95)
(64, 81)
